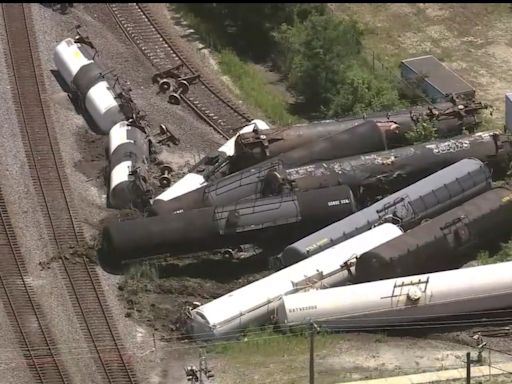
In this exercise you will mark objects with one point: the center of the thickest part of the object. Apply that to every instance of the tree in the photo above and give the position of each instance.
(315, 55)
(361, 90)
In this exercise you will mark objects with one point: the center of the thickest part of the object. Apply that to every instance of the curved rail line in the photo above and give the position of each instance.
(23, 311)
(52, 186)
(164, 51)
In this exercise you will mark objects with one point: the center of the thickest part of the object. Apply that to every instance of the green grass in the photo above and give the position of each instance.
(265, 344)
(248, 78)
(254, 89)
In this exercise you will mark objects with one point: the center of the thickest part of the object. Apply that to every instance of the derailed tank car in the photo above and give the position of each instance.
(381, 173)
(128, 158)
(366, 137)
(85, 78)
(372, 175)
(209, 165)
(401, 301)
(280, 219)
(427, 198)
(449, 119)
(443, 242)
(256, 303)
(258, 142)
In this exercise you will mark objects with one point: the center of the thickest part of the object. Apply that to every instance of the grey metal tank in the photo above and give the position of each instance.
(425, 199)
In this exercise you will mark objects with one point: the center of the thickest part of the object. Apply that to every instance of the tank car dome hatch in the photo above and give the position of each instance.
(414, 294)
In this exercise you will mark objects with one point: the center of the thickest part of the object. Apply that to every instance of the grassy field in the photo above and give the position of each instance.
(473, 39)
(257, 87)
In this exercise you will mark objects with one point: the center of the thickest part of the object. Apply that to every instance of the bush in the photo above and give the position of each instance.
(322, 58)
(362, 91)
(424, 131)
(503, 255)
(319, 54)
(315, 54)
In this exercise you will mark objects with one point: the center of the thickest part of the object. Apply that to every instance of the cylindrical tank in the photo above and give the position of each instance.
(256, 303)
(402, 301)
(201, 171)
(373, 175)
(101, 104)
(128, 159)
(85, 78)
(69, 57)
(254, 147)
(385, 172)
(443, 242)
(422, 200)
(366, 137)
(271, 219)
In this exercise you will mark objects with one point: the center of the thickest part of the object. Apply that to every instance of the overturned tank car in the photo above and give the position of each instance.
(442, 243)
(283, 219)
(424, 199)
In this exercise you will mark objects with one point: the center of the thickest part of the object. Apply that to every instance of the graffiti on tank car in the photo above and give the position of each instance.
(449, 146)
(308, 170)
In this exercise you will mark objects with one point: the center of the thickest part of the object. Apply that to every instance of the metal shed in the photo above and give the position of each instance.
(435, 79)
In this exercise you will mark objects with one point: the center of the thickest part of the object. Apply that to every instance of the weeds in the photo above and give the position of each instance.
(504, 254)
(254, 90)
(424, 131)
(143, 271)
(270, 343)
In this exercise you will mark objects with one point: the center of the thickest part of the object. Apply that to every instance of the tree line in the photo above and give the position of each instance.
(320, 55)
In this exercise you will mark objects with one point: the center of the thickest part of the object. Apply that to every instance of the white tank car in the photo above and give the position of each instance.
(128, 150)
(69, 57)
(102, 105)
(192, 181)
(85, 78)
(402, 300)
(256, 303)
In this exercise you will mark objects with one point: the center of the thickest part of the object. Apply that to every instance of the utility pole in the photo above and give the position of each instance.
(312, 354)
(468, 368)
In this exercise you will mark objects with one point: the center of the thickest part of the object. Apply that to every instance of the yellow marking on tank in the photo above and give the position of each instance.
(77, 54)
(506, 198)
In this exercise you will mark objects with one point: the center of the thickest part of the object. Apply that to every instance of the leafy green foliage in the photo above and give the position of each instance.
(323, 60)
(504, 254)
(319, 54)
(424, 131)
(247, 28)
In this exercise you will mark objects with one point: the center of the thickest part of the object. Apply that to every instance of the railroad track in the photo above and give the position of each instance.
(52, 187)
(164, 51)
(27, 321)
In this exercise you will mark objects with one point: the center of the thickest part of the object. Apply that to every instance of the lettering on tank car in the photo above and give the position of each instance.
(337, 202)
(302, 309)
(317, 244)
(450, 146)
